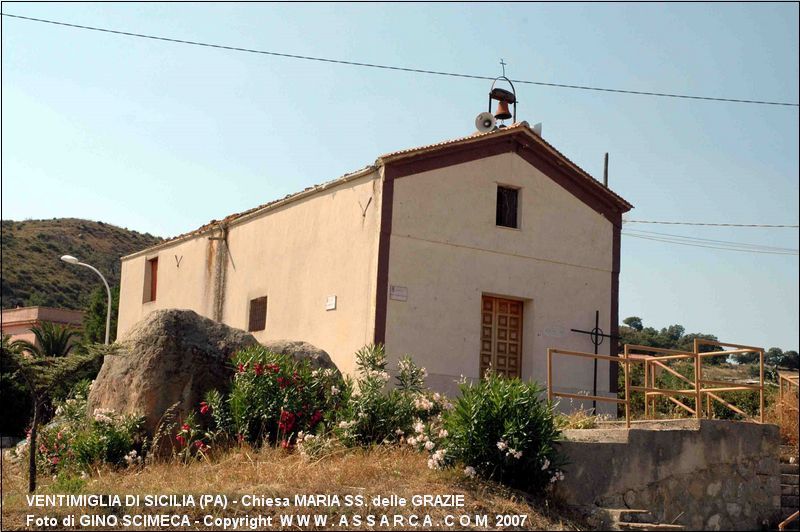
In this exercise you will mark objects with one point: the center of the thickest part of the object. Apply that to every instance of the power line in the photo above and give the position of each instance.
(402, 69)
(711, 246)
(710, 240)
(709, 224)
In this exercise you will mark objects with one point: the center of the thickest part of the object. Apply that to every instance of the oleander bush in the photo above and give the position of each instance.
(272, 399)
(74, 442)
(376, 414)
(504, 430)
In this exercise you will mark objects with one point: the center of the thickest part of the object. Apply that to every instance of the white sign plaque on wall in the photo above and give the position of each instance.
(330, 303)
(398, 293)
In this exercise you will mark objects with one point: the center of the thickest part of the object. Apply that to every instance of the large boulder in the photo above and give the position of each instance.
(171, 356)
(302, 351)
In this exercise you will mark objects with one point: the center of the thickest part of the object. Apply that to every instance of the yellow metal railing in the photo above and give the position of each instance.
(788, 520)
(552, 393)
(656, 359)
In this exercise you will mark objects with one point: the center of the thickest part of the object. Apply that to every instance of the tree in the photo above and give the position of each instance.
(40, 375)
(790, 360)
(94, 320)
(16, 402)
(52, 340)
(773, 356)
(634, 322)
(746, 358)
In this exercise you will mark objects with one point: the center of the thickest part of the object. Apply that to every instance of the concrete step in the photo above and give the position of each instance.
(790, 501)
(790, 469)
(628, 515)
(792, 480)
(649, 526)
(788, 489)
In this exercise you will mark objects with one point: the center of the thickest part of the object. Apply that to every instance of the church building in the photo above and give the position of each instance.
(472, 253)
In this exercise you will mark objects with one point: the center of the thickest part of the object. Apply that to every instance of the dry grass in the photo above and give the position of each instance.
(787, 422)
(275, 473)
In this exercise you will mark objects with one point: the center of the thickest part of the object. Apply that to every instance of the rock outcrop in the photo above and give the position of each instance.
(302, 351)
(171, 356)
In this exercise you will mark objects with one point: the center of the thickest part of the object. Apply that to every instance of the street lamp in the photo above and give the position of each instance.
(72, 260)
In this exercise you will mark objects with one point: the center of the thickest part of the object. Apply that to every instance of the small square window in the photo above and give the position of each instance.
(258, 314)
(507, 207)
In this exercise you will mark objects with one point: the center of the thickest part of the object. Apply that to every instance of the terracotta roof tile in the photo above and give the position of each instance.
(512, 129)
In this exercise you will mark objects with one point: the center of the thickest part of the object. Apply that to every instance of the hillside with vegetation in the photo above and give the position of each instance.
(33, 273)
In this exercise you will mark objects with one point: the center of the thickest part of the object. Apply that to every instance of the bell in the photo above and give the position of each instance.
(502, 111)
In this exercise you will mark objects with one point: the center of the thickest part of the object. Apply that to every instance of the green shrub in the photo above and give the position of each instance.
(372, 414)
(502, 429)
(272, 399)
(72, 441)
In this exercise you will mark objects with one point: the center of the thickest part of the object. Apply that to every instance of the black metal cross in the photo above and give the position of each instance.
(504, 66)
(597, 336)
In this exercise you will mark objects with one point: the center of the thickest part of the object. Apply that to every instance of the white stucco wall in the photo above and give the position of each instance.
(446, 249)
(297, 255)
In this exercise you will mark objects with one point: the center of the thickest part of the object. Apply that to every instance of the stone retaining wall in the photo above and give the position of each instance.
(703, 474)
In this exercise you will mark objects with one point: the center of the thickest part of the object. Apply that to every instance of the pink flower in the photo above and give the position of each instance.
(185, 427)
(181, 439)
(204, 408)
(54, 460)
(258, 368)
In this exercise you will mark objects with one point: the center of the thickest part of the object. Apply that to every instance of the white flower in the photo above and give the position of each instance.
(439, 455)
(443, 433)
(469, 471)
(84, 475)
(412, 440)
(399, 432)
(502, 445)
(429, 445)
(556, 477)
(546, 464)
(422, 403)
(432, 464)
(517, 454)
(419, 427)
(334, 390)
(103, 415)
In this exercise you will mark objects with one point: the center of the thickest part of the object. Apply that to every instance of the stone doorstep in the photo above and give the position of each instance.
(628, 515)
(649, 526)
(787, 489)
(791, 480)
(790, 469)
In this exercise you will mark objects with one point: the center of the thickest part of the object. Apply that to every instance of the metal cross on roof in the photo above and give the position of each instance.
(503, 63)
(597, 336)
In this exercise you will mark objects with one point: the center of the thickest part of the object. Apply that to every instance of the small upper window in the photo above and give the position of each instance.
(151, 280)
(258, 314)
(507, 203)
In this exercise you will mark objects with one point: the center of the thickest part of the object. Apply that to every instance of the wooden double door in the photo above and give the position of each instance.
(501, 336)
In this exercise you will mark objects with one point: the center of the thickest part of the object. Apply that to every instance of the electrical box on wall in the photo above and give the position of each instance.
(330, 303)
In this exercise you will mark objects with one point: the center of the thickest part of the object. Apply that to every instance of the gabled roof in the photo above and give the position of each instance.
(519, 132)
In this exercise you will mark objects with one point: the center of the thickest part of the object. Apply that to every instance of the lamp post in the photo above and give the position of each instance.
(72, 260)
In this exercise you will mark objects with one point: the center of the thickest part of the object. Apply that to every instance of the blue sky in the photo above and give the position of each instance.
(162, 137)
